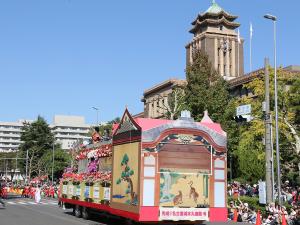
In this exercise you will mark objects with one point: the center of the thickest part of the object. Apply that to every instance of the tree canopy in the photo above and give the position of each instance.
(249, 150)
(206, 89)
(38, 140)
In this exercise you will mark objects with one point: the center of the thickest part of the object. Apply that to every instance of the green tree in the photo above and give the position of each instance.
(206, 89)
(37, 140)
(61, 161)
(8, 163)
(249, 150)
(174, 103)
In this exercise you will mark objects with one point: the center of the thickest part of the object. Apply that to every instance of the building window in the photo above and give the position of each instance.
(221, 27)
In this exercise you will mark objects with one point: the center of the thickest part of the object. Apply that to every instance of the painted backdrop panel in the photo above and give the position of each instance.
(187, 188)
(125, 174)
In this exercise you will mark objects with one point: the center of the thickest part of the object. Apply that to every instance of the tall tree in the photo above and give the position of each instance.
(206, 89)
(37, 140)
(61, 161)
(174, 103)
(249, 150)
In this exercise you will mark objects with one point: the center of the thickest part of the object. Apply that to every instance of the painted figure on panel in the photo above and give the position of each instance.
(183, 189)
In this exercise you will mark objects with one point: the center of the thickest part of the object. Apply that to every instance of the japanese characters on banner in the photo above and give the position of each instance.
(106, 193)
(87, 193)
(65, 189)
(177, 214)
(77, 191)
(71, 189)
(96, 192)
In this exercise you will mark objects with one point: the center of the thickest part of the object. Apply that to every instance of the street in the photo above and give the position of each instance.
(20, 211)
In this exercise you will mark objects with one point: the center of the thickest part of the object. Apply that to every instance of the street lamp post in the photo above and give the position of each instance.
(97, 110)
(52, 162)
(274, 19)
(26, 175)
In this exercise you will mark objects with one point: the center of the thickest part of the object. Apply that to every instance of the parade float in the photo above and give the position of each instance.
(152, 170)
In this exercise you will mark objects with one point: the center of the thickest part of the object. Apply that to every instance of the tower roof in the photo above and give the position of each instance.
(214, 8)
(214, 15)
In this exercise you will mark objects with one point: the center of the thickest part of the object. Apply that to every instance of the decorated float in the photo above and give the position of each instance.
(152, 170)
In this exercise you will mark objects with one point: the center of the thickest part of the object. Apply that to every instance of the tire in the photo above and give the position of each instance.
(77, 211)
(85, 213)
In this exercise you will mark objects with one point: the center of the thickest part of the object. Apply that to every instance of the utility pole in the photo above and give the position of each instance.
(268, 133)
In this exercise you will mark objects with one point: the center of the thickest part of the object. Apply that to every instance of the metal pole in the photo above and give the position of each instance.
(274, 19)
(268, 135)
(97, 109)
(273, 175)
(276, 118)
(5, 169)
(52, 161)
(97, 117)
(250, 49)
(16, 164)
(26, 173)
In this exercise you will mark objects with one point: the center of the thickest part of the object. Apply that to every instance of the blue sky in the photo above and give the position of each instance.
(65, 56)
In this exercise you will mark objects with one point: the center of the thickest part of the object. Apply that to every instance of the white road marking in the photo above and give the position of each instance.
(44, 203)
(22, 203)
(32, 203)
(12, 203)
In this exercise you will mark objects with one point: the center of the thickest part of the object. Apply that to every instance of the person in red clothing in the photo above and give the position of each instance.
(51, 192)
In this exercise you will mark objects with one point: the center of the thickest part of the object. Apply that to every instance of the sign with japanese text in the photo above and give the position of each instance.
(78, 191)
(176, 214)
(106, 195)
(65, 189)
(71, 189)
(243, 110)
(262, 192)
(96, 192)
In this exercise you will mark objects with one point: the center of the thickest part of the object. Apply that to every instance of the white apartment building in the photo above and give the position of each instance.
(66, 129)
(10, 134)
(69, 129)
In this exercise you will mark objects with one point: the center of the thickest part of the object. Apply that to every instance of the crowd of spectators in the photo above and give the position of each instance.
(245, 212)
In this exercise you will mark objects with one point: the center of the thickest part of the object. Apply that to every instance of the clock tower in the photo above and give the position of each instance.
(215, 33)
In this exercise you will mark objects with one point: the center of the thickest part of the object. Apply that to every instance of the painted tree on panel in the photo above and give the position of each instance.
(126, 175)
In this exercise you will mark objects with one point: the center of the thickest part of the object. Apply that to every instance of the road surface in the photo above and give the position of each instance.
(20, 211)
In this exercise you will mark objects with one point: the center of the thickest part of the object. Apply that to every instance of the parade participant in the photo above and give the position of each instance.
(52, 191)
(96, 136)
(37, 195)
(1, 201)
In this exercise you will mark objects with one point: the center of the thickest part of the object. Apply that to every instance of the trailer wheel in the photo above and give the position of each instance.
(85, 213)
(77, 211)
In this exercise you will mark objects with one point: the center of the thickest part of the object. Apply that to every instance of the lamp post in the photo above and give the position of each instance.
(274, 19)
(97, 110)
(52, 161)
(26, 175)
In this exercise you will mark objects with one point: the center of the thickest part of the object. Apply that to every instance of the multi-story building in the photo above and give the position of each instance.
(214, 32)
(10, 135)
(69, 129)
(66, 129)
(156, 98)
